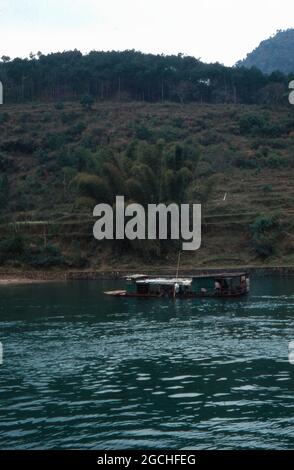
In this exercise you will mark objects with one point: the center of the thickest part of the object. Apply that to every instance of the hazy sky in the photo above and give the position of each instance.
(214, 30)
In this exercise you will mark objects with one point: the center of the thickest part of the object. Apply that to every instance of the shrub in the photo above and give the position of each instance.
(275, 161)
(4, 117)
(77, 129)
(259, 125)
(170, 134)
(41, 155)
(244, 162)
(19, 146)
(69, 118)
(87, 101)
(264, 232)
(55, 141)
(211, 137)
(143, 133)
(4, 162)
(92, 186)
(135, 191)
(114, 177)
(59, 106)
(267, 188)
(44, 257)
(265, 222)
(84, 203)
(4, 191)
(252, 124)
(264, 246)
(12, 246)
(209, 186)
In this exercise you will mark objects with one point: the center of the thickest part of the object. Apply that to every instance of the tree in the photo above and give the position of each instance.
(87, 101)
(92, 186)
(4, 191)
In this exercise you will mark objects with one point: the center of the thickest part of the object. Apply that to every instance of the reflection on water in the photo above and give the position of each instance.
(85, 371)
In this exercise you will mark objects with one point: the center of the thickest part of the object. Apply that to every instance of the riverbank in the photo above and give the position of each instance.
(30, 277)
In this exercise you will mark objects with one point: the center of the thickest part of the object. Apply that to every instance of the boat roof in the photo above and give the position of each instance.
(134, 277)
(166, 281)
(220, 275)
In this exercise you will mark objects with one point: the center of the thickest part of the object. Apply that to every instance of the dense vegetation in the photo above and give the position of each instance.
(275, 53)
(132, 75)
(58, 160)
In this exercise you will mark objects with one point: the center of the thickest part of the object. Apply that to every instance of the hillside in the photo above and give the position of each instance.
(275, 53)
(58, 160)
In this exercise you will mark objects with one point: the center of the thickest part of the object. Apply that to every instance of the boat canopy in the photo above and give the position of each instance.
(135, 277)
(221, 275)
(166, 282)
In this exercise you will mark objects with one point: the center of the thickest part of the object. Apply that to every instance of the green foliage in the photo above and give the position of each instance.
(76, 130)
(44, 257)
(160, 171)
(4, 118)
(25, 146)
(170, 133)
(275, 161)
(147, 180)
(59, 106)
(30, 185)
(264, 234)
(252, 124)
(93, 187)
(150, 77)
(84, 203)
(263, 223)
(4, 191)
(54, 141)
(143, 133)
(211, 137)
(11, 247)
(41, 155)
(79, 158)
(260, 125)
(264, 245)
(17, 248)
(69, 118)
(87, 101)
(4, 162)
(135, 191)
(210, 184)
(115, 178)
(267, 188)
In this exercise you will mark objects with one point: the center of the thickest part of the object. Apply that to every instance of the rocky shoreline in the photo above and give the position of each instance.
(30, 277)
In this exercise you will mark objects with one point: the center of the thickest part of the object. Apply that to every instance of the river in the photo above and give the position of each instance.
(85, 371)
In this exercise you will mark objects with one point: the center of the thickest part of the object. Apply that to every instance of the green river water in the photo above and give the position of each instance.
(85, 371)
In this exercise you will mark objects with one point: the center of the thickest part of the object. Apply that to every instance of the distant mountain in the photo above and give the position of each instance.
(275, 53)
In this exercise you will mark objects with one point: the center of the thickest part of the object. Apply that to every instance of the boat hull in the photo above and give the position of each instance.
(187, 296)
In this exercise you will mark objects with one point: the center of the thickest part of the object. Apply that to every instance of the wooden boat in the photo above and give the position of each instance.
(212, 285)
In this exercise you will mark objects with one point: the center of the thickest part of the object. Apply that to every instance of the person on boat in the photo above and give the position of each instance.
(243, 284)
(176, 289)
(217, 287)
